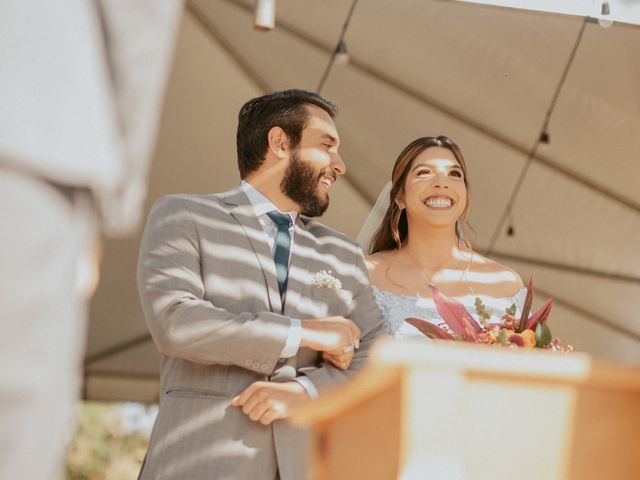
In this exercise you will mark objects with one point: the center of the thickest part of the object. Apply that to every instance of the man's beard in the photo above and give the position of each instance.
(301, 182)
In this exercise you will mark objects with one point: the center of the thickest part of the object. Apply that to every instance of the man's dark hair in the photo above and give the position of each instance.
(285, 109)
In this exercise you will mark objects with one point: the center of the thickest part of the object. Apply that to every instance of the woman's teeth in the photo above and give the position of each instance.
(438, 202)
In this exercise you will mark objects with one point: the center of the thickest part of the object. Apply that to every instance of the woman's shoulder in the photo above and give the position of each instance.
(381, 258)
(504, 280)
(378, 263)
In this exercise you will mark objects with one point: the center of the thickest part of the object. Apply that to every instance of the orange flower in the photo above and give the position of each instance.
(529, 338)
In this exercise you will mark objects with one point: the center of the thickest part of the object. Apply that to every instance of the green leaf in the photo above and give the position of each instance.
(512, 310)
(503, 337)
(482, 311)
(543, 335)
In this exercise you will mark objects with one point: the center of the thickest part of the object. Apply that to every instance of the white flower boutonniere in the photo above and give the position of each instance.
(324, 279)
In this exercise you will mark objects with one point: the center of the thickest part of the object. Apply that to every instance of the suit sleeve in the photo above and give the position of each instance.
(182, 323)
(365, 313)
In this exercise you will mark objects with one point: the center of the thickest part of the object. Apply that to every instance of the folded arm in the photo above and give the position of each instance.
(182, 323)
(365, 314)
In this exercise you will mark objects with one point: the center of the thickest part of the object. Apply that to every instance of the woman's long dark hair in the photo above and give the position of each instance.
(393, 230)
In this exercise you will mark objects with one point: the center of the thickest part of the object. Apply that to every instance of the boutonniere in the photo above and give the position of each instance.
(324, 279)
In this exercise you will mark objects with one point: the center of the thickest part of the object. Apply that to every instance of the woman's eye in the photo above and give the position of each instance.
(423, 172)
(456, 173)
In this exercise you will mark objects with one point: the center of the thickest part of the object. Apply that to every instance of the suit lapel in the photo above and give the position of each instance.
(243, 212)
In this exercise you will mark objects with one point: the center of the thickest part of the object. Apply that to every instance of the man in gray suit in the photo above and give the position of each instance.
(81, 89)
(254, 306)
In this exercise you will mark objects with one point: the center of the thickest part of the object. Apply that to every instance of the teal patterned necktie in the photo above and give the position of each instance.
(283, 245)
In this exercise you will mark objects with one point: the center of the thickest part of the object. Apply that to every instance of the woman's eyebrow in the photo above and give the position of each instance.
(418, 165)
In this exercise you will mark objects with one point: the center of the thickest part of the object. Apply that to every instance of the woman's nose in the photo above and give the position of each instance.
(440, 180)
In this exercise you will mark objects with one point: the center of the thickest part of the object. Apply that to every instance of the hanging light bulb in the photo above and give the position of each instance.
(544, 137)
(510, 230)
(342, 56)
(605, 20)
(265, 15)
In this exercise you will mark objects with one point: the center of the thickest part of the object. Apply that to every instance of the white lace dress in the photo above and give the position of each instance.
(395, 308)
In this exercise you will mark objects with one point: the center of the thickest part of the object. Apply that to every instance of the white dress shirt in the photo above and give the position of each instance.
(262, 205)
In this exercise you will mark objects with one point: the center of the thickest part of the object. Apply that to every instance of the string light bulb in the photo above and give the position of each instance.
(265, 15)
(604, 20)
(544, 137)
(341, 54)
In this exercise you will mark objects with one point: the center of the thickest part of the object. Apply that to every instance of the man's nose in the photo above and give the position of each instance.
(337, 165)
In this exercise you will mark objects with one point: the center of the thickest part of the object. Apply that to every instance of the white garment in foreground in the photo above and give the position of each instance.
(47, 232)
(82, 88)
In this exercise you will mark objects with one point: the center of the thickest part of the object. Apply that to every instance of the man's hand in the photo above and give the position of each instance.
(339, 358)
(265, 402)
(331, 334)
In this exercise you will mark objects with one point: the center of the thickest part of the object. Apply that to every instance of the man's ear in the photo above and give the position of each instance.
(278, 142)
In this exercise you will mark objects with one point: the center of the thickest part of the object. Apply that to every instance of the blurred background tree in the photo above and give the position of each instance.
(110, 441)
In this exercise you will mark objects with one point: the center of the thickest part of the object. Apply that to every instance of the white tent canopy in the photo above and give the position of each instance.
(627, 11)
(485, 76)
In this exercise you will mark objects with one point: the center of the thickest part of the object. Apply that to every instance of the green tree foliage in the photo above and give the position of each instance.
(107, 445)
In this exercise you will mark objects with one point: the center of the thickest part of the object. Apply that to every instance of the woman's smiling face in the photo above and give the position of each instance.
(434, 190)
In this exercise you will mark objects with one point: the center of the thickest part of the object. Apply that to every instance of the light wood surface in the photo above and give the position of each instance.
(458, 411)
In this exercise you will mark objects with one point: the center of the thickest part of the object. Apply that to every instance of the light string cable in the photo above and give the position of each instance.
(329, 66)
(543, 137)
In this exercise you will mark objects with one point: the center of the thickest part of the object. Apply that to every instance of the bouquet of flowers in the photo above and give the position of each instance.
(527, 331)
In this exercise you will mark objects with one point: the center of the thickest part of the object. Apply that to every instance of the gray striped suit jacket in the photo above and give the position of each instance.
(209, 291)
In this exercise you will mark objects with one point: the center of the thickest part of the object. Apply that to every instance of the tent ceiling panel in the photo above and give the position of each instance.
(138, 361)
(558, 220)
(603, 92)
(120, 386)
(586, 334)
(280, 61)
(440, 61)
(610, 300)
(599, 341)
(115, 310)
(440, 50)
(620, 10)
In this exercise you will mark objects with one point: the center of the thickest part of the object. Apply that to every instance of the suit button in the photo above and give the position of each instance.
(247, 363)
(256, 365)
(264, 367)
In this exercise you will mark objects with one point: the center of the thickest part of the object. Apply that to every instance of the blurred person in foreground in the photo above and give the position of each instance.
(80, 96)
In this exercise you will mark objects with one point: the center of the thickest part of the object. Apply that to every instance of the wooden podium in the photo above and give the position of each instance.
(450, 411)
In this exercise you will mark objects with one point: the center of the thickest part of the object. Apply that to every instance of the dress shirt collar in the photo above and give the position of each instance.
(261, 204)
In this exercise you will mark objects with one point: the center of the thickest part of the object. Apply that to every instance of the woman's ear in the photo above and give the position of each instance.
(400, 202)
(278, 142)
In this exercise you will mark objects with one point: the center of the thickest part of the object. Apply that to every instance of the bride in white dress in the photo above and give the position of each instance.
(416, 236)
